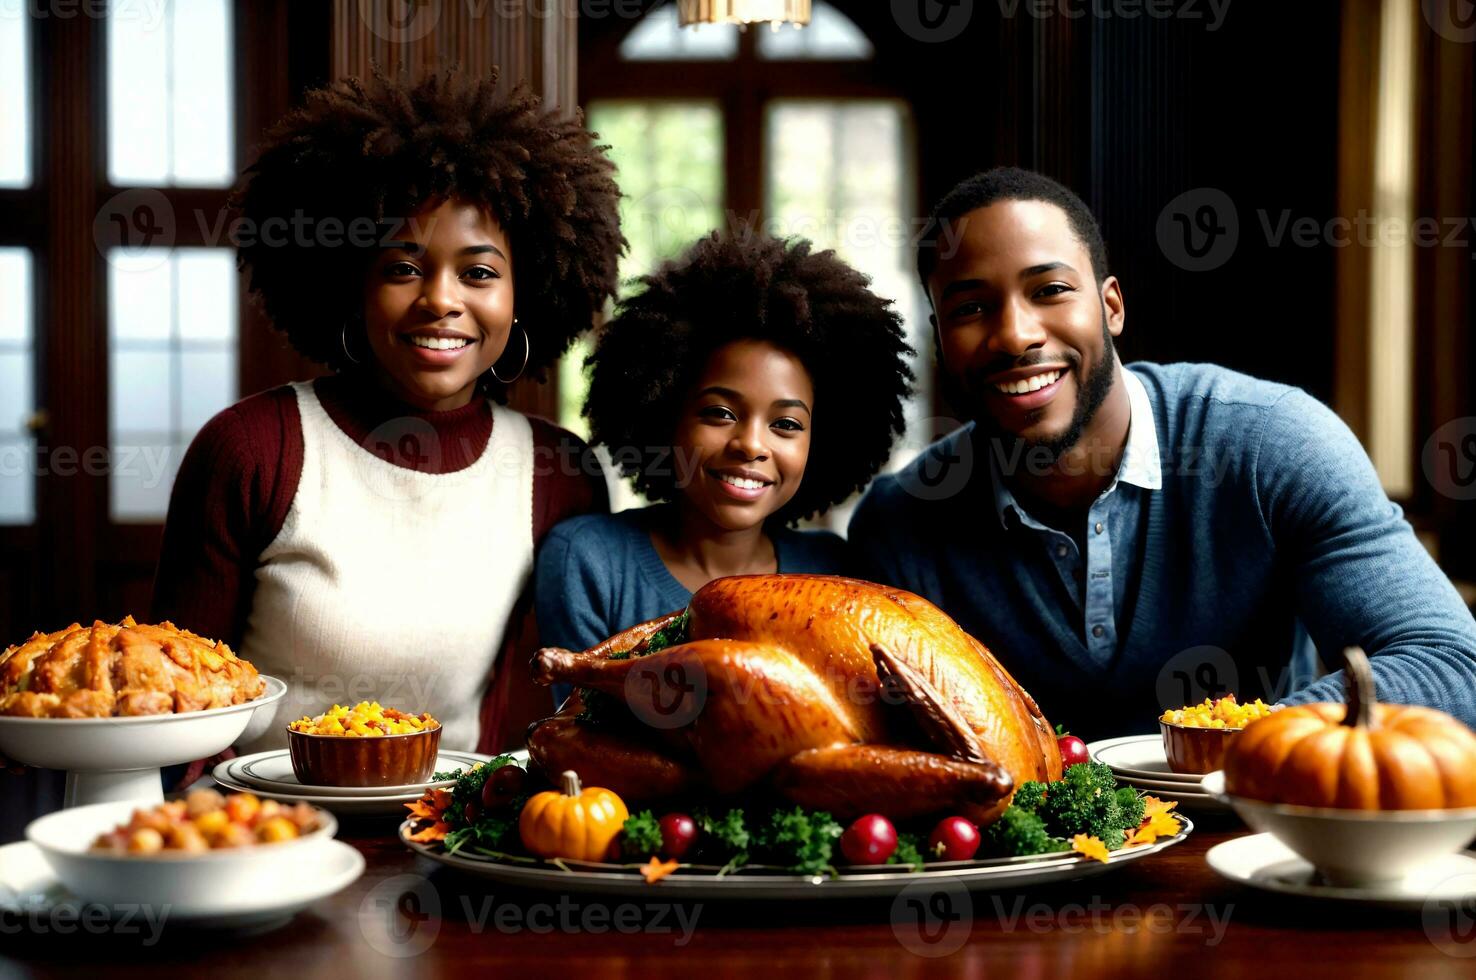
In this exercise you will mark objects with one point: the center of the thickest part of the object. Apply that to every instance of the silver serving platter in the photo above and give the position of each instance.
(879, 881)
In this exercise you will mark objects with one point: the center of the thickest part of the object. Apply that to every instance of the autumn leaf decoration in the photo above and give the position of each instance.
(654, 870)
(1158, 822)
(1089, 847)
(431, 809)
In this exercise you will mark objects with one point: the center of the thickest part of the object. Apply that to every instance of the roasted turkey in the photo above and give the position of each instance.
(110, 669)
(834, 693)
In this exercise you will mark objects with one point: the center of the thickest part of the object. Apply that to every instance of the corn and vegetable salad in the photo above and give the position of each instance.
(367, 718)
(1224, 713)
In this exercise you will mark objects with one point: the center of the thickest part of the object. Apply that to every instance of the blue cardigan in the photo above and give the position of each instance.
(598, 574)
(1245, 521)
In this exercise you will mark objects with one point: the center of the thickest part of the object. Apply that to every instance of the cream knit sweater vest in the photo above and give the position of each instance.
(389, 584)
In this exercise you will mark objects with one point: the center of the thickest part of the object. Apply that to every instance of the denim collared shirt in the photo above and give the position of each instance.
(1244, 533)
(1089, 578)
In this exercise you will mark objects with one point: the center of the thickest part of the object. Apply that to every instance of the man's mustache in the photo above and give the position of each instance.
(1031, 359)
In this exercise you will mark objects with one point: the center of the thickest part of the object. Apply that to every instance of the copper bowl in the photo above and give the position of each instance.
(364, 760)
(1195, 751)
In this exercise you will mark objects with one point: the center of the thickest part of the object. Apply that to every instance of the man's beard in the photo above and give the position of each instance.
(969, 399)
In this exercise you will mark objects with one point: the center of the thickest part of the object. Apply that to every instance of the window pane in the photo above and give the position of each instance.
(140, 291)
(670, 160)
(16, 398)
(17, 388)
(202, 93)
(660, 37)
(15, 98)
(830, 36)
(15, 296)
(170, 110)
(143, 473)
(141, 391)
(207, 384)
(841, 175)
(206, 274)
(170, 368)
(669, 156)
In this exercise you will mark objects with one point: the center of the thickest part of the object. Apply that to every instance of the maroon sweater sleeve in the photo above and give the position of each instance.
(567, 480)
(230, 499)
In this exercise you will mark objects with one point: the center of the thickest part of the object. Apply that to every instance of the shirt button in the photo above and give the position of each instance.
(1099, 527)
(1097, 631)
(1060, 551)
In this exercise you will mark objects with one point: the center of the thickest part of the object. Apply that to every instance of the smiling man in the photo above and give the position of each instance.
(1130, 538)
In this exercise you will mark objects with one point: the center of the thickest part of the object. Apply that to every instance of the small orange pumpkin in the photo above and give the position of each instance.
(580, 824)
(1362, 756)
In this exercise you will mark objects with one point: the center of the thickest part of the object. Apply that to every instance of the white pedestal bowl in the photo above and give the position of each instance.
(114, 759)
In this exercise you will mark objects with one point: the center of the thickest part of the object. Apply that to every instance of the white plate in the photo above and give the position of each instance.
(343, 806)
(1261, 861)
(1006, 873)
(1193, 803)
(1177, 790)
(348, 806)
(1140, 756)
(273, 771)
(28, 887)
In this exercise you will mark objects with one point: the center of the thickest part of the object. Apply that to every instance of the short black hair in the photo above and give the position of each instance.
(1010, 184)
(747, 286)
(378, 151)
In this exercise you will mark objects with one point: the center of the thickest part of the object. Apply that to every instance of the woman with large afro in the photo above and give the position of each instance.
(370, 535)
(748, 385)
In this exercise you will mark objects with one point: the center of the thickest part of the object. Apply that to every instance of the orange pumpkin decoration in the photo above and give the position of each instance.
(580, 824)
(1358, 756)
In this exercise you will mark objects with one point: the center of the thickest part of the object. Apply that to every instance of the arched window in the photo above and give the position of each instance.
(794, 131)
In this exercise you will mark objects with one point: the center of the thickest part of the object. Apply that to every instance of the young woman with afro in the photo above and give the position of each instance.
(750, 384)
(371, 534)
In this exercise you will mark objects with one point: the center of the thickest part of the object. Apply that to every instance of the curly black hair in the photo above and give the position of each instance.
(367, 155)
(1009, 184)
(727, 288)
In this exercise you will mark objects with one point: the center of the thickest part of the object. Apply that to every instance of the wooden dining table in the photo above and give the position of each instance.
(1166, 915)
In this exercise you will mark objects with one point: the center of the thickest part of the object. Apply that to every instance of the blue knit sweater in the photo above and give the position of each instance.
(1267, 540)
(598, 574)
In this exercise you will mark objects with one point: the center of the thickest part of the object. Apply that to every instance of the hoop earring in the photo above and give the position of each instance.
(527, 351)
(343, 339)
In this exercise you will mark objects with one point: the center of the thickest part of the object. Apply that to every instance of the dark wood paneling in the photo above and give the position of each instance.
(70, 315)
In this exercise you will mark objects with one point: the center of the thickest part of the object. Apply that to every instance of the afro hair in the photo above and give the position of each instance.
(728, 288)
(369, 155)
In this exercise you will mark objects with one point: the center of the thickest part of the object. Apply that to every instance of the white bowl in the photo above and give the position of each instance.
(1356, 848)
(215, 881)
(133, 742)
